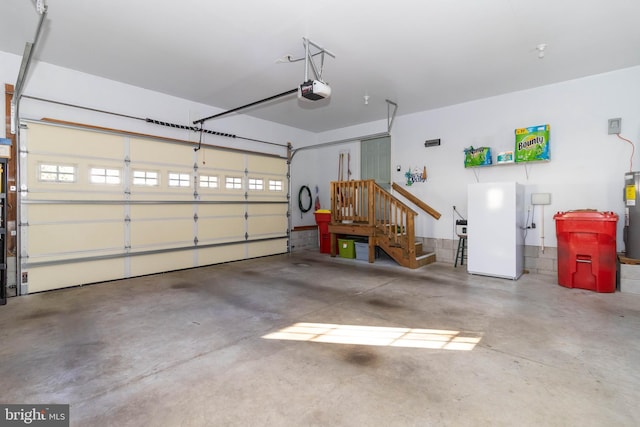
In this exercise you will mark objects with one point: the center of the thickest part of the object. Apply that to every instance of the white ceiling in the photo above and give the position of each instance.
(419, 54)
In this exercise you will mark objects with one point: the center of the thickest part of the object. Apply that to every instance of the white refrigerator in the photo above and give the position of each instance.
(495, 229)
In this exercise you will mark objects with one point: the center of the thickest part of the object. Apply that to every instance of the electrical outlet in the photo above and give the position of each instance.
(615, 125)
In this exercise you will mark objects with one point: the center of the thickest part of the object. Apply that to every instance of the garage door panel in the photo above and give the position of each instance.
(87, 237)
(224, 161)
(49, 212)
(64, 275)
(75, 143)
(218, 229)
(218, 211)
(267, 209)
(215, 255)
(80, 187)
(267, 226)
(160, 211)
(268, 165)
(169, 232)
(148, 151)
(270, 247)
(150, 264)
(69, 227)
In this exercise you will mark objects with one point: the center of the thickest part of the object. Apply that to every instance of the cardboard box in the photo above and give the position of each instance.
(5, 148)
(532, 144)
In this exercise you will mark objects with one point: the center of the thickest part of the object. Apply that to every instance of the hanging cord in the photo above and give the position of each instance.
(525, 230)
(456, 211)
(304, 189)
(633, 150)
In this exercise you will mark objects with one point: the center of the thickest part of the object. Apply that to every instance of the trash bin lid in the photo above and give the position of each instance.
(586, 215)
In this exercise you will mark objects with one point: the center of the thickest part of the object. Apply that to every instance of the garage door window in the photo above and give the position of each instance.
(57, 173)
(148, 178)
(208, 181)
(275, 185)
(105, 176)
(179, 179)
(233, 183)
(256, 184)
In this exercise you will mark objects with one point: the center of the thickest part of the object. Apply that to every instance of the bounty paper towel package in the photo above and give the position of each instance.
(532, 143)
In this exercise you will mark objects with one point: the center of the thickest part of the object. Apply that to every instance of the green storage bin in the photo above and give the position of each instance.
(346, 248)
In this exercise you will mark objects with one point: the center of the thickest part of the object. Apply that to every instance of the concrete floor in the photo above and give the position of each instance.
(186, 349)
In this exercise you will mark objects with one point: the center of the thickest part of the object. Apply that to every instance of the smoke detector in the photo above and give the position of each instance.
(540, 48)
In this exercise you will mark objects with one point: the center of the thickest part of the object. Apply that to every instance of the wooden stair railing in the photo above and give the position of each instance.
(364, 208)
(419, 203)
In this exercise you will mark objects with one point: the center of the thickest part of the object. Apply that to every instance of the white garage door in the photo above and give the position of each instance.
(97, 206)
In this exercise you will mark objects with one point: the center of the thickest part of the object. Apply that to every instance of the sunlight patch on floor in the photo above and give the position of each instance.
(378, 336)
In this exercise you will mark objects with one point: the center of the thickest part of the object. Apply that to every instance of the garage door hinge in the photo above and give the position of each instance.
(127, 160)
(288, 214)
(246, 236)
(246, 196)
(127, 219)
(195, 195)
(195, 167)
(195, 217)
(246, 215)
(127, 247)
(246, 171)
(195, 240)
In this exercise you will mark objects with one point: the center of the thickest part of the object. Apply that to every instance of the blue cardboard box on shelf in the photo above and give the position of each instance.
(5, 147)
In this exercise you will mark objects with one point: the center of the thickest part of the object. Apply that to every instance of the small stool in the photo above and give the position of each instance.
(462, 246)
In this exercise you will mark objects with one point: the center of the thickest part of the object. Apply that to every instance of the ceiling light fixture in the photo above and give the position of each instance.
(540, 48)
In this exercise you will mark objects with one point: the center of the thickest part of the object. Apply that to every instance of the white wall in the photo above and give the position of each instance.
(586, 169)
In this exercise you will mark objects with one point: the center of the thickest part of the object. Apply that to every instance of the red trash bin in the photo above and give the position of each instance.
(587, 249)
(323, 218)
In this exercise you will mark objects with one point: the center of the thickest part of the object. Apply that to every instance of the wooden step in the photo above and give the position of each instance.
(424, 259)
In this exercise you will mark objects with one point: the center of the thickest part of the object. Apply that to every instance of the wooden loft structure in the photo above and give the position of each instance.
(363, 208)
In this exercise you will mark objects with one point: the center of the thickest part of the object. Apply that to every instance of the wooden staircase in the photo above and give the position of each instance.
(363, 208)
